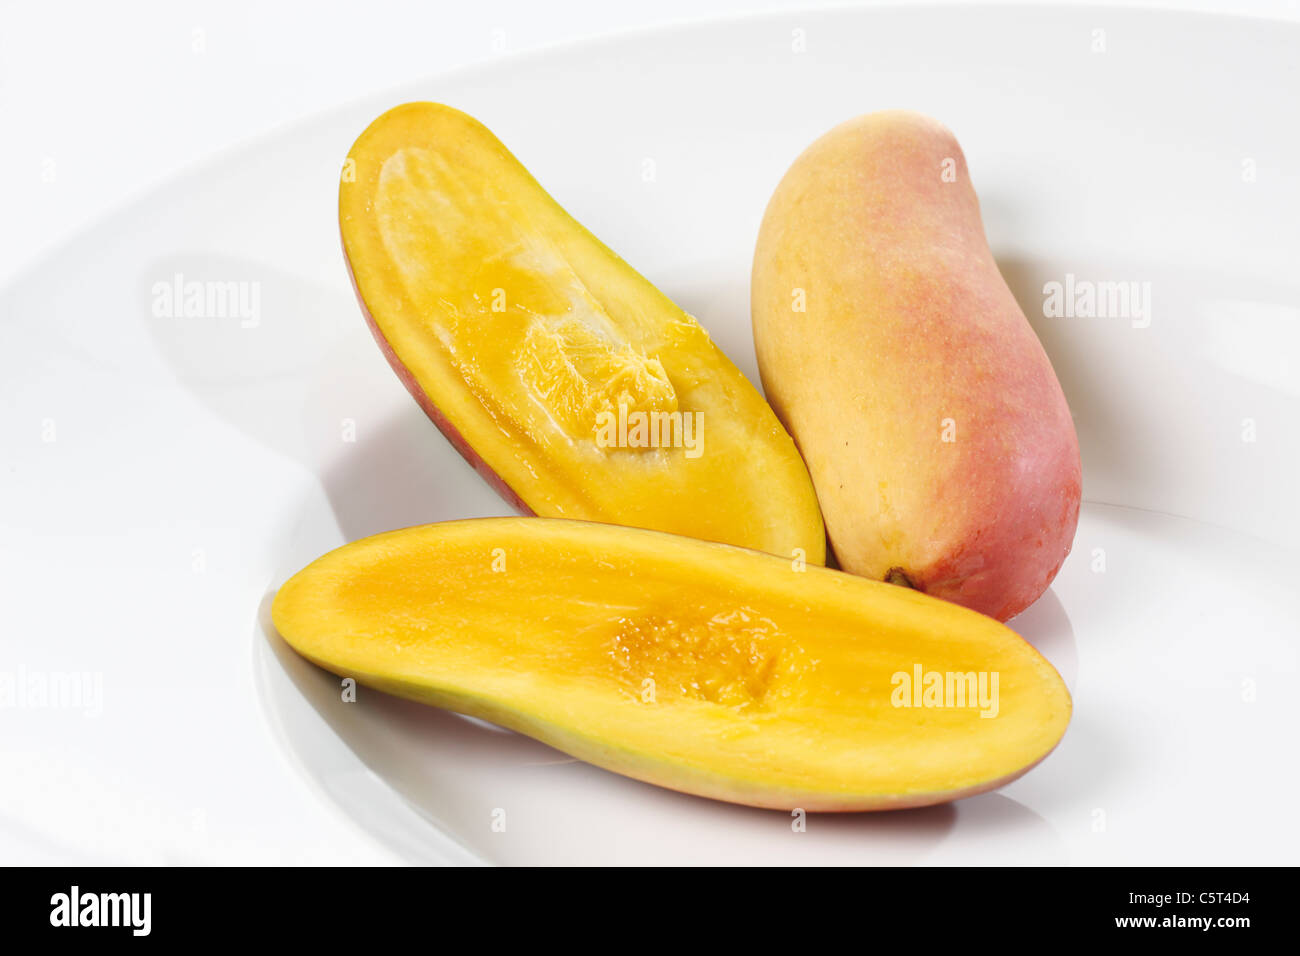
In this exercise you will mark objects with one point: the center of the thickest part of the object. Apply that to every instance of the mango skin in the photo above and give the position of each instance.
(936, 433)
(696, 666)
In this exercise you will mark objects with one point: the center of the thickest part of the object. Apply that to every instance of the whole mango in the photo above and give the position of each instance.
(938, 438)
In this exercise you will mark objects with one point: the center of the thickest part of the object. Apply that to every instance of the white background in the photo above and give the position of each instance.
(99, 102)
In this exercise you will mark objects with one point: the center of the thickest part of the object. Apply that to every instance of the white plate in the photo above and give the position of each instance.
(163, 474)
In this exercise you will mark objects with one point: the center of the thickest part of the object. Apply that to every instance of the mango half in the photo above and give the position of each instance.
(568, 380)
(700, 667)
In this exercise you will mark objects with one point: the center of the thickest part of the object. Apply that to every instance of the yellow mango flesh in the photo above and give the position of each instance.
(697, 666)
(558, 370)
